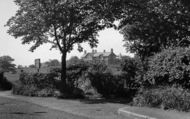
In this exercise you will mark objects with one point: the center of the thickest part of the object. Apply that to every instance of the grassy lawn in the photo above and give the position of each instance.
(101, 110)
(95, 110)
(159, 113)
(14, 109)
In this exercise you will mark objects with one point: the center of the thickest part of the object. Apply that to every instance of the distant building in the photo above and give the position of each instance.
(108, 58)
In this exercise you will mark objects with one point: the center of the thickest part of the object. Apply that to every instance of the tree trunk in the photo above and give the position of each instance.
(63, 69)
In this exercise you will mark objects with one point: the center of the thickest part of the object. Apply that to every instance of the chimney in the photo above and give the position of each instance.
(104, 51)
(85, 52)
(111, 50)
(37, 64)
(95, 51)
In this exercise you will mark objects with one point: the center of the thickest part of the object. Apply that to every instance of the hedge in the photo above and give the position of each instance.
(35, 84)
(170, 67)
(164, 97)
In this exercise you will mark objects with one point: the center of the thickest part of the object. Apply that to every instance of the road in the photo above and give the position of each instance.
(15, 109)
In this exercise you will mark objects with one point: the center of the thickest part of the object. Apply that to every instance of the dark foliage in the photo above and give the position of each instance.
(106, 83)
(6, 64)
(164, 97)
(132, 71)
(155, 25)
(4, 83)
(95, 80)
(35, 84)
(74, 73)
(41, 81)
(170, 67)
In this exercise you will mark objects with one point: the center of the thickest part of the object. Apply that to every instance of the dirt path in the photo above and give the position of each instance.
(14, 109)
(97, 110)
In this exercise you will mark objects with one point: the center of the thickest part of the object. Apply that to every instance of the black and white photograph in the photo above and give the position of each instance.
(94, 59)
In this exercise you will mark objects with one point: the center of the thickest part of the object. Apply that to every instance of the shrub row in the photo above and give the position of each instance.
(164, 97)
(95, 80)
(110, 86)
(35, 84)
(107, 84)
(170, 67)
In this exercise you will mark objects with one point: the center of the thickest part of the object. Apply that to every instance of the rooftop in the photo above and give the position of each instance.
(94, 53)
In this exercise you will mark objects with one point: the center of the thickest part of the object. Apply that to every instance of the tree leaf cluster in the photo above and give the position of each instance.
(6, 64)
(62, 23)
(155, 25)
(170, 67)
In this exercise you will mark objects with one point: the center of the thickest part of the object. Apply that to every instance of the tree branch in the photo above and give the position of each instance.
(56, 38)
(49, 41)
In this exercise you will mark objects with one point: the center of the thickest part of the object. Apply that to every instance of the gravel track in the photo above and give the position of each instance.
(14, 109)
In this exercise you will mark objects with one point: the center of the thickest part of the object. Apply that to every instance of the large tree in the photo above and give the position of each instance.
(155, 25)
(63, 23)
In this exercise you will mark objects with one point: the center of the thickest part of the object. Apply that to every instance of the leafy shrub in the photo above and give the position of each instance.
(77, 75)
(132, 71)
(86, 79)
(74, 73)
(35, 84)
(148, 97)
(4, 83)
(170, 67)
(164, 97)
(107, 84)
(95, 80)
(39, 80)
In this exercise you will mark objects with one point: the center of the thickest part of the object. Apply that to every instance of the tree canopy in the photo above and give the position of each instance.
(6, 64)
(63, 23)
(155, 25)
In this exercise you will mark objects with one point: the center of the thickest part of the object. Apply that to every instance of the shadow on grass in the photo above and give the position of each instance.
(23, 113)
(19, 113)
(102, 101)
(98, 100)
(40, 112)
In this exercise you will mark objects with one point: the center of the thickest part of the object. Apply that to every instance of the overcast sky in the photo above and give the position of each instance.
(108, 39)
